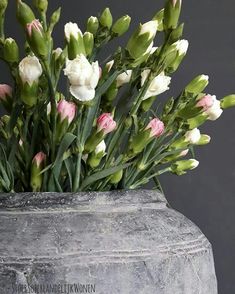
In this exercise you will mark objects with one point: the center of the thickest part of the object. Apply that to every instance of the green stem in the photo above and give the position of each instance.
(53, 109)
(2, 19)
(81, 142)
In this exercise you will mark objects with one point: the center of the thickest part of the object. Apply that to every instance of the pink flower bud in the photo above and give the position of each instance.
(5, 90)
(205, 102)
(174, 2)
(157, 127)
(34, 25)
(67, 110)
(39, 158)
(106, 123)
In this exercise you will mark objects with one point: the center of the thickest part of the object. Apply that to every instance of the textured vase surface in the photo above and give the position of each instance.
(122, 242)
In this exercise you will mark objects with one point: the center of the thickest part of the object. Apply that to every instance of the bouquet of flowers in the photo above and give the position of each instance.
(111, 130)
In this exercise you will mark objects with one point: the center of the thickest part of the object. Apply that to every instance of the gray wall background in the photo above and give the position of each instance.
(207, 195)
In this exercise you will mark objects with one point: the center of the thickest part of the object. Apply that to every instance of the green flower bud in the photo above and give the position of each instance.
(197, 85)
(36, 38)
(228, 101)
(122, 25)
(147, 103)
(24, 14)
(195, 122)
(93, 141)
(92, 25)
(36, 167)
(159, 17)
(95, 157)
(55, 17)
(176, 34)
(88, 40)
(11, 50)
(180, 167)
(41, 5)
(139, 142)
(74, 40)
(204, 140)
(111, 93)
(106, 19)
(116, 178)
(3, 6)
(141, 42)
(29, 94)
(172, 14)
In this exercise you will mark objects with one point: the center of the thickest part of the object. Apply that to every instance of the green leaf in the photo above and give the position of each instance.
(103, 174)
(64, 145)
(69, 168)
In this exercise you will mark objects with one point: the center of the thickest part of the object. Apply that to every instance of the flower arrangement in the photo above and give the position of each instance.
(111, 130)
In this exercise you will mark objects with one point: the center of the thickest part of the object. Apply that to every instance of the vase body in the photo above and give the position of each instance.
(108, 243)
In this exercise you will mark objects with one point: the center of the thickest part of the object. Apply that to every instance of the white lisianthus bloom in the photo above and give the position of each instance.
(193, 136)
(83, 77)
(158, 85)
(215, 111)
(71, 29)
(101, 147)
(30, 70)
(181, 46)
(124, 78)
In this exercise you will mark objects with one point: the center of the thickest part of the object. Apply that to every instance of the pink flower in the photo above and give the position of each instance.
(205, 102)
(34, 25)
(106, 123)
(157, 127)
(67, 110)
(39, 158)
(5, 90)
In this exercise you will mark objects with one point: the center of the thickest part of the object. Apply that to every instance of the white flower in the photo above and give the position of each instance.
(149, 27)
(124, 78)
(215, 111)
(159, 84)
(83, 77)
(193, 136)
(71, 29)
(101, 147)
(30, 70)
(181, 46)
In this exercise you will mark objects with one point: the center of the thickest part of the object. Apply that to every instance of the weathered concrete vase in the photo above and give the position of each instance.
(106, 243)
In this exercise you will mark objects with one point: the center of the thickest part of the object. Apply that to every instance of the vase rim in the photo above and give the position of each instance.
(55, 200)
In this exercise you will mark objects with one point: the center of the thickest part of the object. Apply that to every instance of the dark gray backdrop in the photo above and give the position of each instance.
(207, 195)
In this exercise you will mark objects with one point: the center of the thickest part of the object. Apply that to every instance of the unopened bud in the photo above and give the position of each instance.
(180, 167)
(228, 101)
(197, 85)
(122, 25)
(88, 40)
(106, 18)
(41, 5)
(92, 25)
(25, 14)
(11, 50)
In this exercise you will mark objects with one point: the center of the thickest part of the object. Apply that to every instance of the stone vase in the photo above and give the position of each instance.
(118, 242)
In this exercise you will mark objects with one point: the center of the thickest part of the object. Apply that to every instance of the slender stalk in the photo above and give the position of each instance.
(81, 143)
(2, 33)
(53, 109)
